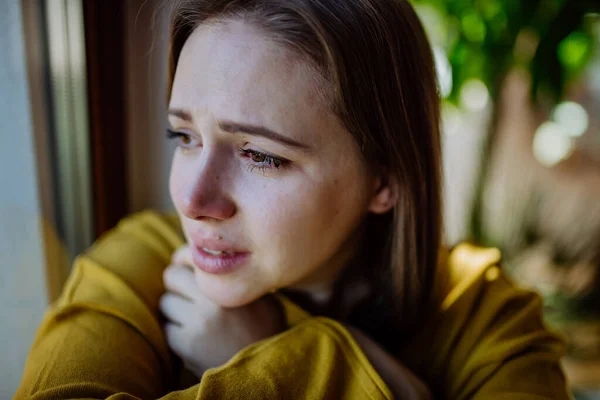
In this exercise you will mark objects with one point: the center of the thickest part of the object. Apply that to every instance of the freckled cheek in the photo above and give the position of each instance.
(333, 197)
(272, 215)
(288, 246)
(296, 222)
(172, 180)
(178, 181)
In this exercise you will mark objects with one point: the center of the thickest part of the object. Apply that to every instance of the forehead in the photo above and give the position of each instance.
(232, 70)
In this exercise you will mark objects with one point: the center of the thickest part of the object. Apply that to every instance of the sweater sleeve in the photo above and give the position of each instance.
(315, 359)
(509, 353)
(103, 337)
(490, 341)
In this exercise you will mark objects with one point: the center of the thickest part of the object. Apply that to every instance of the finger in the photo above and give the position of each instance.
(175, 338)
(179, 279)
(175, 308)
(183, 256)
(179, 344)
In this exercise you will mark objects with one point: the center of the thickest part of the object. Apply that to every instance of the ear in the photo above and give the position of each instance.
(386, 195)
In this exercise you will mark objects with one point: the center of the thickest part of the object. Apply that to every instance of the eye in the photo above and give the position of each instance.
(263, 161)
(185, 139)
(258, 157)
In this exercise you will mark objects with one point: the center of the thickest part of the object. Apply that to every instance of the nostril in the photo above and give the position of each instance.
(209, 206)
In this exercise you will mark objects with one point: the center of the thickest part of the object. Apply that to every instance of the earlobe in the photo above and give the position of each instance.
(385, 198)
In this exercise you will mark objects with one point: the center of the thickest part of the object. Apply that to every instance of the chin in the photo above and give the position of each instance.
(230, 302)
(227, 294)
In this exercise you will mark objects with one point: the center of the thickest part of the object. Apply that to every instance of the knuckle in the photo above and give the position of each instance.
(171, 274)
(165, 305)
(180, 254)
(174, 340)
(163, 302)
(167, 273)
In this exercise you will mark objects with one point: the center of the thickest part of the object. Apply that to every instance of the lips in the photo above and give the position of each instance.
(218, 257)
(216, 253)
(218, 246)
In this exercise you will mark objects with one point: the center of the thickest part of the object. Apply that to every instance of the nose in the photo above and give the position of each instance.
(205, 197)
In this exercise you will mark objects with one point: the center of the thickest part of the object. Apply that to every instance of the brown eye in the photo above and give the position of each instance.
(185, 140)
(259, 158)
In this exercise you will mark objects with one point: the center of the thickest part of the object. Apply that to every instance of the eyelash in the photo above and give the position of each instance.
(181, 137)
(268, 160)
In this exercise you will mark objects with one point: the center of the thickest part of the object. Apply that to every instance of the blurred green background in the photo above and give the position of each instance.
(529, 72)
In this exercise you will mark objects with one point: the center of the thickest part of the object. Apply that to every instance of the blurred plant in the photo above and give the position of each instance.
(477, 44)
(484, 39)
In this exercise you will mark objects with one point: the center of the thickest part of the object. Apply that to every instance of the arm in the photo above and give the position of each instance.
(205, 335)
(489, 340)
(103, 339)
(73, 358)
(102, 336)
(89, 347)
(317, 358)
(517, 357)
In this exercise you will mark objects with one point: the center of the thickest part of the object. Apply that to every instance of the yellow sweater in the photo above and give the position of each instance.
(103, 337)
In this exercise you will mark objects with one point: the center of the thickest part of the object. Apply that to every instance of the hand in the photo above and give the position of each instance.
(402, 382)
(204, 334)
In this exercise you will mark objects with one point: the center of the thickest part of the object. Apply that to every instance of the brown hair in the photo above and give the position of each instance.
(377, 60)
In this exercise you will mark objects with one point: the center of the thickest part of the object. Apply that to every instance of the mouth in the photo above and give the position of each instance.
(217, 257)
(216, 252)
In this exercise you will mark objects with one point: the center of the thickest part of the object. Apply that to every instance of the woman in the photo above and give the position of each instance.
(307, 188)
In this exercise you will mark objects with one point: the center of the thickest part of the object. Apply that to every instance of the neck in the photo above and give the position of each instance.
(340, 284)
(335, 299)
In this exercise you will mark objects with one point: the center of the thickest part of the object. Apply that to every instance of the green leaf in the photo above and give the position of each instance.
(473, 27)
(574, 50)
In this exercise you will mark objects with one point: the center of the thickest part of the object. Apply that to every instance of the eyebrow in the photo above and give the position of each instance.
(236, 127)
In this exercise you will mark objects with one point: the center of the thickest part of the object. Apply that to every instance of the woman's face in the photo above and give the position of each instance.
(264, 171)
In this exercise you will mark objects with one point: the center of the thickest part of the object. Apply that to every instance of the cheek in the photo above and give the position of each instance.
(177, 181)
(173, 177)
(305, 226)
